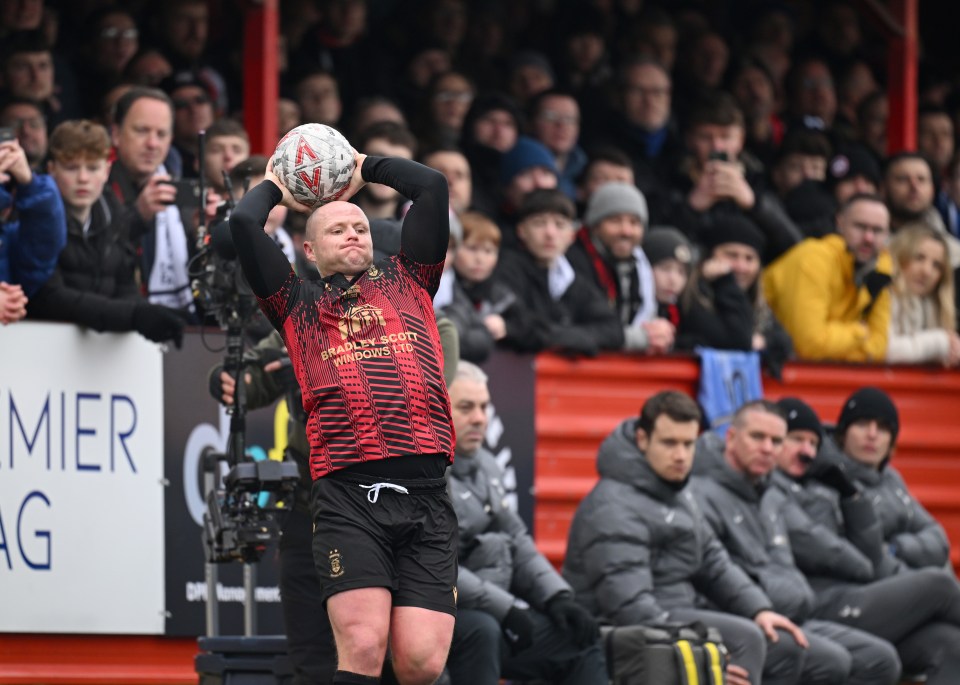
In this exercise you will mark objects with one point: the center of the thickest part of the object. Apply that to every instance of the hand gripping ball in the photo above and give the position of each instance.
(315, 163)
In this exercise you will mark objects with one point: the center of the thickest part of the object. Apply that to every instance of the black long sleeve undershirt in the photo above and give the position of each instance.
(423, 239)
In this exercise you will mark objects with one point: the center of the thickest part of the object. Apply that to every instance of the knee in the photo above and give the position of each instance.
(885, 664)
(362, 647)
(420, 668)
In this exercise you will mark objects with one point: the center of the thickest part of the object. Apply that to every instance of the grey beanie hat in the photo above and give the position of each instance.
(615, 198)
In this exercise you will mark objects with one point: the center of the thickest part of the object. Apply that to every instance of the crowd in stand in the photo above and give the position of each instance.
(624, 176)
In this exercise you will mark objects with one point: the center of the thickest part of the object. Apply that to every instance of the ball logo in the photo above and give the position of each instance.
(357, 319)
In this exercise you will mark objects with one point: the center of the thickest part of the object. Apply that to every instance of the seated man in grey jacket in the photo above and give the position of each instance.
(747, 517)
(640, 550)
(516, 617)
(836, 538)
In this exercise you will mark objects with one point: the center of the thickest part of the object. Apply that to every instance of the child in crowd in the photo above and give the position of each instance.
(671, 260)
(922, 316)
(227, 145)
(484, 310)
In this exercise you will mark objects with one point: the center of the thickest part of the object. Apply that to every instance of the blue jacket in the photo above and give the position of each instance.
(31, 240)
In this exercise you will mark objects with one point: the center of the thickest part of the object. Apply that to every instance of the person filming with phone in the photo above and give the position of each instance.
(718, 178)
(32, 228)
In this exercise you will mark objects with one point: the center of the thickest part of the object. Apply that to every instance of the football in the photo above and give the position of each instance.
(315, 162)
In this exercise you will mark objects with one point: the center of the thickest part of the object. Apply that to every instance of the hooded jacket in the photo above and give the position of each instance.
(639, 547)
(911, 533)
(499, 563)
(748, 521)
(32, 236)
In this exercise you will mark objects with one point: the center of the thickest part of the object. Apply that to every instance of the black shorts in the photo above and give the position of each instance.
(364, 537)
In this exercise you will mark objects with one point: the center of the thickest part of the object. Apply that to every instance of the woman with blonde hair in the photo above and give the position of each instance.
(922, 314)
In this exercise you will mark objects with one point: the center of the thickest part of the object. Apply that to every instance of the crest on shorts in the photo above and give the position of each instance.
(454, 594)
(356, 319)
(336, 564)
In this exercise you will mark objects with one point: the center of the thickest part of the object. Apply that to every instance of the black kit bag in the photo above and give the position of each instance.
(665, 654)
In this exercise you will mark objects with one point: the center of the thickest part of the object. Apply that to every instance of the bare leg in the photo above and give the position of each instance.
(419, 641)
(361, 623)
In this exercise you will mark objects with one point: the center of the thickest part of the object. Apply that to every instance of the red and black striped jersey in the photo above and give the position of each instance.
(369, 363)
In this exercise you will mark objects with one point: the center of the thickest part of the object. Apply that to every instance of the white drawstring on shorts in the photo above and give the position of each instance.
(374, 490)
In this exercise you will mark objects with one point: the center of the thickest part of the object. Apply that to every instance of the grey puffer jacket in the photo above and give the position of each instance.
(499, 562)
(835, 554)
(639, 547)
(910, 532)
(748, 522)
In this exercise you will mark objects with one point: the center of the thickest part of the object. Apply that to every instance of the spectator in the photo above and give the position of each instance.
(856, 81)
(115, 39)
(948, 200)
(811, 94)
(490, 129)
(288, 116)
(193, 112)
(318, 95)
(142, 133)
(640, 127)
(608, 253)
(516, 615)
(149, 67)
(829, 523)
(831, 293)
(802, 156)
(872, 116)
(94, 284)
(719, 180)
(755, 89)
(26, 119)
(715, 310)
(656, 38)
(704, 61)
(746, 518)
(570, 313)
(586, 63)
(386, 139)
(555, 122)
(27, 72)
(227, 144)
(32, 229)
(935, 139)
(248, 174)
(909, 191)
(528, 166)
(529, 74)
(374, 110)
(628, 563)
(867, 431)
(454, 166)
(671, 260)
(922, 304)
(604, 164)
(448, 100)
(183, 30)
(853, 171)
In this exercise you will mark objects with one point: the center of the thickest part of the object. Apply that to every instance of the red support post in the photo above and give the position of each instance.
(902, 81)
(261, 75)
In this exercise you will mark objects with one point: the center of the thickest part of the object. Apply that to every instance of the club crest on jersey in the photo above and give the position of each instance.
(336, 564)
(374, 272)
(354, 321)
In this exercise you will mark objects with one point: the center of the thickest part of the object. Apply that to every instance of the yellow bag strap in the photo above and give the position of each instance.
(688, 664)
(715, 663)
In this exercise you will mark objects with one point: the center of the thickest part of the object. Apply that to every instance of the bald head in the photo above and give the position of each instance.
(338, 239)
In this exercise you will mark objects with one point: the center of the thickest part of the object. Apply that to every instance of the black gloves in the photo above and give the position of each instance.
(833, 476)
(285, 377)
(574, 619)
(158, 323)
(518, 628)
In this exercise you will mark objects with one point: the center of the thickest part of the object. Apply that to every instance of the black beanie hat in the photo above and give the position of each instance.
(734, 229)
(869, 403)
(800, 416)
(666, 242)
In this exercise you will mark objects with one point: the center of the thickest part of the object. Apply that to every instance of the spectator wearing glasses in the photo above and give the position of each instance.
(555, 122)
(193, 112)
